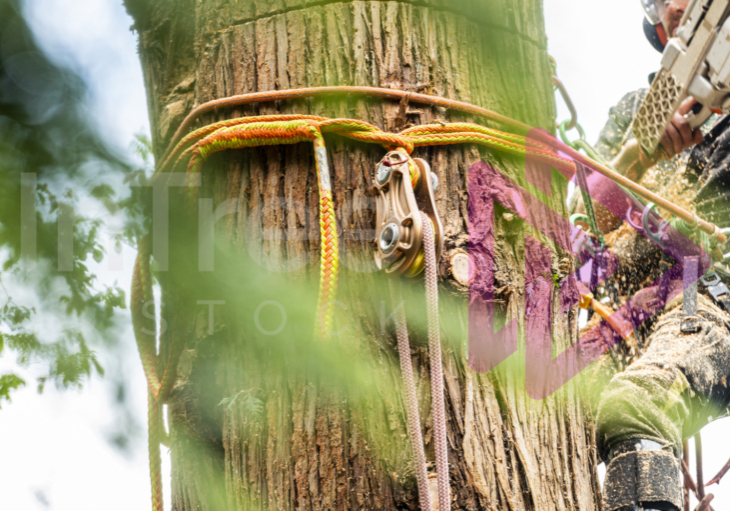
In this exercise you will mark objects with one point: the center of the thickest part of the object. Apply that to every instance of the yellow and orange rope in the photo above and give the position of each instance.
(450, 104)
(158, 388)
(194, 149)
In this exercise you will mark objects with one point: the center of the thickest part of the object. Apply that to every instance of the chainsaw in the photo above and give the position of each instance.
(696, 63)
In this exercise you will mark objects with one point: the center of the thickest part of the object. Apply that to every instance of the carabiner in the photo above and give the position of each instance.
(655, 237)
(568, 102)
(565, 127)
(637, 228)
(579, 217)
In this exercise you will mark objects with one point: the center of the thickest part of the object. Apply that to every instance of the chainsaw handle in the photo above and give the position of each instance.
(698, 115)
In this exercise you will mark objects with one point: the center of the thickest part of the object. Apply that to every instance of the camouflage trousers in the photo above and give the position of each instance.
(677, 387)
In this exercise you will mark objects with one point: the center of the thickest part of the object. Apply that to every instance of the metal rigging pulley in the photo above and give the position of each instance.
(405, 187)
(409, 239)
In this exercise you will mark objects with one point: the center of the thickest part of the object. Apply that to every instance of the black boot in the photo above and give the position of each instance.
(641, 476)
(670, 507)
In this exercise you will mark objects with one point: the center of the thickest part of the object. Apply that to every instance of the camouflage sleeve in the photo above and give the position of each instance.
(618, 128)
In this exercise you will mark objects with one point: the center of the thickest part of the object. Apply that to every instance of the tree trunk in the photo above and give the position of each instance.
(314, 445)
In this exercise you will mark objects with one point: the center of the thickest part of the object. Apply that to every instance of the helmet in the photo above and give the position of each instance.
(655, 35)
(653, 26)
(654, 10)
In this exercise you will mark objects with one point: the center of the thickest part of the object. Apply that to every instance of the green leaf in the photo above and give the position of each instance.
(98, 367)
(103, 191)
(9, 382)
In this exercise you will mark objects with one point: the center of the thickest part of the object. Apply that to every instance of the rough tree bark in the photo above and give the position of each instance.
(309, 450)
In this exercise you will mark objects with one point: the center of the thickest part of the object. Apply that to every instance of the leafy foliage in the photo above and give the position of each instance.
(45, 132)
(9, 382)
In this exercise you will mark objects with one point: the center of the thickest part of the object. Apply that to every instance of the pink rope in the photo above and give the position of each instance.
(437, 381)
(437, 377)
(409, 389)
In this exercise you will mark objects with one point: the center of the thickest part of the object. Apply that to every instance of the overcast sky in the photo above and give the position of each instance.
(54, 450)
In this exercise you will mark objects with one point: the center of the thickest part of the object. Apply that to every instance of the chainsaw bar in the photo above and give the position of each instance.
(657, 109)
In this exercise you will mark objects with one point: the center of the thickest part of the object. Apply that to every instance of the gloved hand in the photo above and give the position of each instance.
(679, 135)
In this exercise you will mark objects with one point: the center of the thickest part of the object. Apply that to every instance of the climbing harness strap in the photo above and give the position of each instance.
(690, 322)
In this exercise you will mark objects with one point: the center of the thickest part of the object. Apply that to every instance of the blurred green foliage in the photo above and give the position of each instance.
(46, 131)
